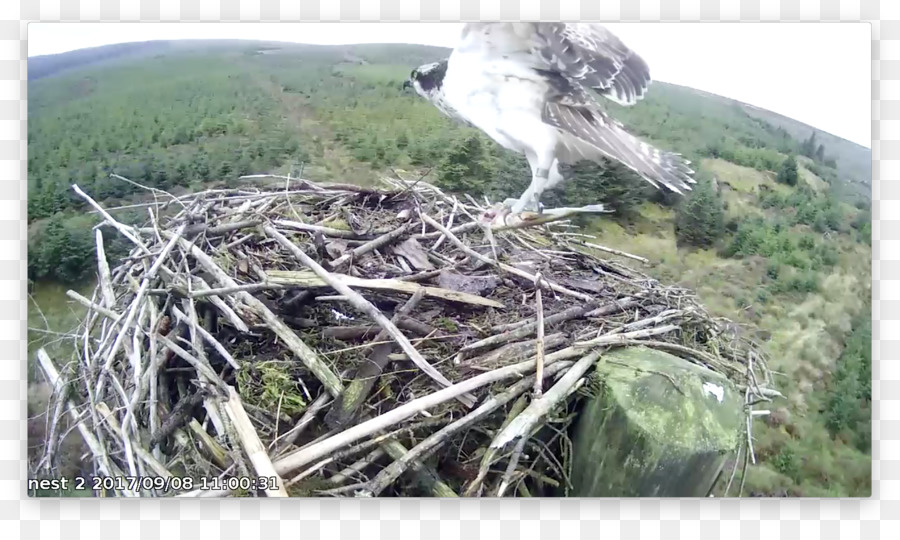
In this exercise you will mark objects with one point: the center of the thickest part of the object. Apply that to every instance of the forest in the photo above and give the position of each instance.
(776, 236)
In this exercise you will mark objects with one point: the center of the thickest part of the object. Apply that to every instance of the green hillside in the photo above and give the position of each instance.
(784, 251)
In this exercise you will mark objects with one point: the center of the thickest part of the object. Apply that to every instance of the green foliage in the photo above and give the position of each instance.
(787, 462)
(62, 248)
(756, 237)
(862, 223)
(701, 217)
(849, 405)
(157, 123)
(616, 186)
(814, 150)
(825, 172)
(808, 148)
(802, 282)
(463, 170)
(795, 261)
(762, 159)
(788, 173)
(803, 206)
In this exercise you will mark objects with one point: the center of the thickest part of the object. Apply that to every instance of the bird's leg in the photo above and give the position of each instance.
(531, 198)
(543, 176)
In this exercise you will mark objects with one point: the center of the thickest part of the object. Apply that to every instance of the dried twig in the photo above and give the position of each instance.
(252, 445)
(539, 353)
(306, 355)
(421, 451)
(511, 269)
(302, 457)
(366, 307)
(347, 405)
(311, 279)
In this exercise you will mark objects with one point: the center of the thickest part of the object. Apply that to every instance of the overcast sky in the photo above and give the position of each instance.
(818, 73)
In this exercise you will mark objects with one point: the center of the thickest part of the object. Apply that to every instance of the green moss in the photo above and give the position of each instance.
(446, 323)
(269, 385)
(337, 223)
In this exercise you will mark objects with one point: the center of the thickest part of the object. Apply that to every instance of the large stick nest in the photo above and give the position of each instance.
(359, 341)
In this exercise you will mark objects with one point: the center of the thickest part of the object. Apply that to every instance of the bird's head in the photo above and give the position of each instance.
(427, 79)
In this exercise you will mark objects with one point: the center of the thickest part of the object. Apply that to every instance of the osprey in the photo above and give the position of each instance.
(530, 87)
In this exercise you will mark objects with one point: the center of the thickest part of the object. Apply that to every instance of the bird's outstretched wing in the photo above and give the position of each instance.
(586, 54)
(593, 57)
(589, 134)
(573, 59)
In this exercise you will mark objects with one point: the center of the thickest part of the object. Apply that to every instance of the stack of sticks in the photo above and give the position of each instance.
(370, 341)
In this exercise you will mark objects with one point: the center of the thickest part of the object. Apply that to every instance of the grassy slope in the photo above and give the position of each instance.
(343, 107)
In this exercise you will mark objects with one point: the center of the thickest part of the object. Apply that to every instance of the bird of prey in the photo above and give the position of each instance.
(531, 87)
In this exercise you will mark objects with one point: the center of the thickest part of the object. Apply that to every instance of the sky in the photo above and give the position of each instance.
(817, 73)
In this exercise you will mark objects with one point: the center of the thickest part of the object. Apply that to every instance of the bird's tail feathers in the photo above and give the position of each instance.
(591, 134)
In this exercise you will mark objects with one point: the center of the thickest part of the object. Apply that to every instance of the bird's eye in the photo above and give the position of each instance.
(412, 74)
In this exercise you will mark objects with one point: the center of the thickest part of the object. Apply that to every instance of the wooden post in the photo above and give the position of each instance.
(660, 426)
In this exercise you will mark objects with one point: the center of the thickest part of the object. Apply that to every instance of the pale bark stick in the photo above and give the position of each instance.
(539, 370)
(523, 423)
(109, 297)
(106, 467)
(202, 368)
(449, 225)
(528, 329)
(121, 228)
(425, 474)
(374, 244)
(610, 250)
(487, 260)
(347, 405)
(425, 448)
(327, 231)
(106, 415)
(520, 428)
(309, 357)
(307, 455)
(223, 307)
(135, 305)
(252, 445)
(356, 467)
(208, 337)
(153, 376)
(106, 312)
(311, 279)
(308, 416)
(360, 303)
(622, 338)
(225, 291)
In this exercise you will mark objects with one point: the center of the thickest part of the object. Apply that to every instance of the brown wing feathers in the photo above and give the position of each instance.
(589, 56)
(594, 58)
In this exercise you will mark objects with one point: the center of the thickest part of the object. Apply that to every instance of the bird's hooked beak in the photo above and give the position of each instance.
(407, 84)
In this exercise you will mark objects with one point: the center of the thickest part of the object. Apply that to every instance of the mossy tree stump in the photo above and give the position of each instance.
(659, 427)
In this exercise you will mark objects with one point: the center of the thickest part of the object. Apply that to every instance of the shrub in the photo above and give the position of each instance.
(62, 248)
(788, 173)
(850, 393)
(700, 218)
(803, 282)
(786, 462)
(463, 168)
